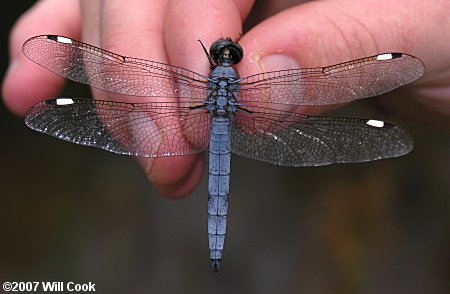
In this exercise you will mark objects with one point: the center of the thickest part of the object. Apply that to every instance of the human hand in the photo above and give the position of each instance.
(312, 34)
(153, 30)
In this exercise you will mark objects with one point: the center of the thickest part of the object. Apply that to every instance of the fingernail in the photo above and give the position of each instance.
(278, 62)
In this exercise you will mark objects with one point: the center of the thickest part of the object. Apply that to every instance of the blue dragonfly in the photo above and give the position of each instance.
(186, 112)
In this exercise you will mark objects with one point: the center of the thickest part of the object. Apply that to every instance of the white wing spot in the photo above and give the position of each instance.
(63, 40)
(64, 101)
(375, 123)
(384, 56)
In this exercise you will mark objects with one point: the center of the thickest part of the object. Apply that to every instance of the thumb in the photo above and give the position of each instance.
(322, 33)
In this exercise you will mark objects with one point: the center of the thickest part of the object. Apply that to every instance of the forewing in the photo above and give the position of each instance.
(111, 72)
(290, 139)
(140, 129)
(345, 82)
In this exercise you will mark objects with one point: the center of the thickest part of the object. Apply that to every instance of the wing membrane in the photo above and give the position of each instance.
(289, 139)
(139, 129)
(112, 72)
(180, 127)
(345, 82)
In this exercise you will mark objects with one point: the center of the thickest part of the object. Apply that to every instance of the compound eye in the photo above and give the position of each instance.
(236, 53)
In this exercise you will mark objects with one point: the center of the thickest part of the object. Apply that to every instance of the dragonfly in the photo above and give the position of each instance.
(184, 112)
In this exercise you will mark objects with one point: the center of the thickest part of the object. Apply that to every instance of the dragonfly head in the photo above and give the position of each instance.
(225, 50)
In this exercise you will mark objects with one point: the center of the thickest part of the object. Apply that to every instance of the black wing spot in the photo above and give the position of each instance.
(52, 37)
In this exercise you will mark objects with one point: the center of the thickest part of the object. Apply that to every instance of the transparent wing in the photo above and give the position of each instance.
(348, 81)
(139, 129)
(286, 138)
(111, 72)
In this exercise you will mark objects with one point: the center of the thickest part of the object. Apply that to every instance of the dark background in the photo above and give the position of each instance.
(71, 213)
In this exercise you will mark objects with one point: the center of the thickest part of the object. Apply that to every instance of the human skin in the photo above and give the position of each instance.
(309, 34)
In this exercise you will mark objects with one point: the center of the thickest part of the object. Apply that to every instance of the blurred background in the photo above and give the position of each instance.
(72, 213)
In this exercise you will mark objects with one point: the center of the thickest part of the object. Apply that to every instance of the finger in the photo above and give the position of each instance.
(328, 32)
(197, 20)
(25, 82)
(201, 20)
(138, 31)
(131, 30)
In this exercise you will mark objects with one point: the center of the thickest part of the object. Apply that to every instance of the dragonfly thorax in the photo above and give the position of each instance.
(222, 86)
(221, 102)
